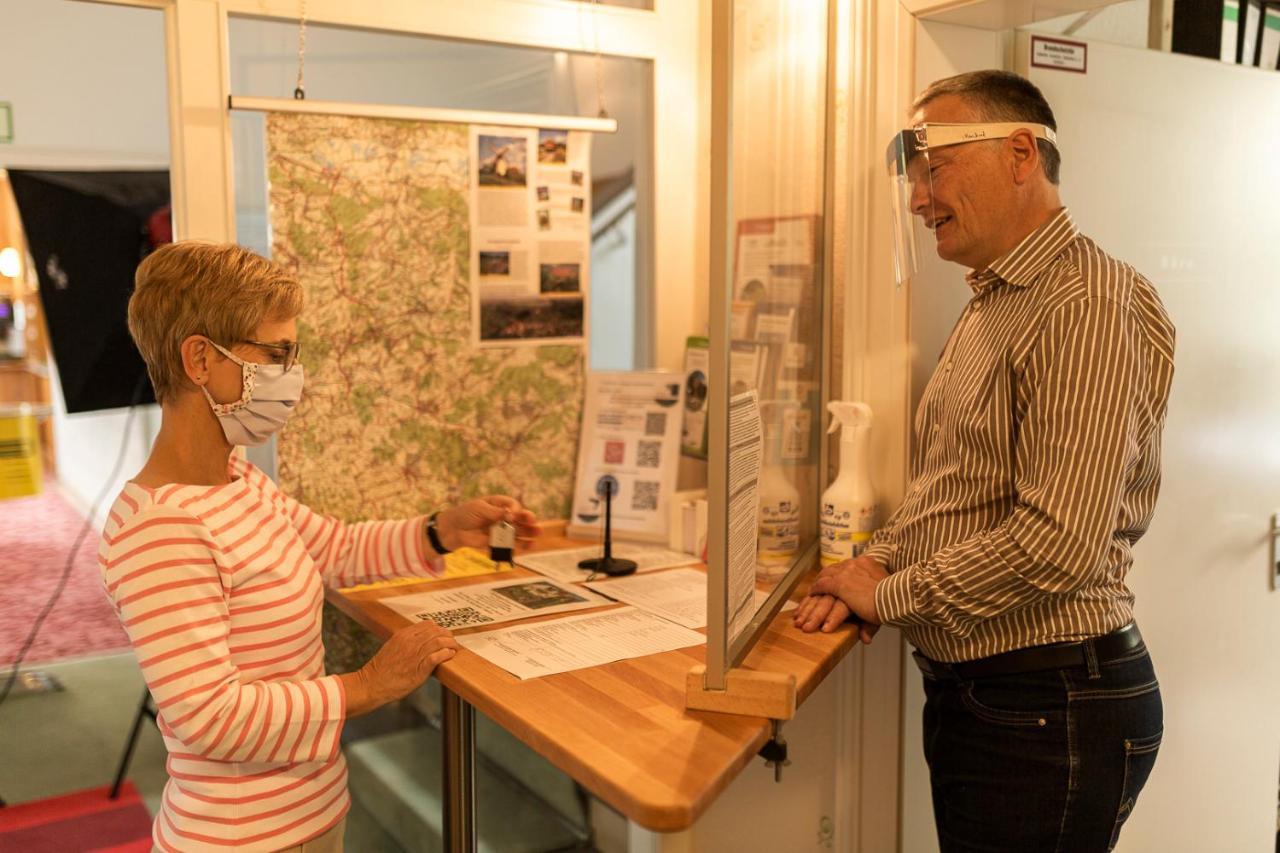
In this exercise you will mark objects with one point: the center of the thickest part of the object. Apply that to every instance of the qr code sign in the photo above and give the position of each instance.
(655, 423)
(644, 495)
(459, 617)
(648, 453)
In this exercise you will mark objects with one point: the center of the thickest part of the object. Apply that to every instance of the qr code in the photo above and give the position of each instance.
(644, 495)
(648, 453)
(655, 423)
(459, 617)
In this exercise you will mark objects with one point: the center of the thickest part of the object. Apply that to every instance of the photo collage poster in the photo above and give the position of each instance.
(531, 235)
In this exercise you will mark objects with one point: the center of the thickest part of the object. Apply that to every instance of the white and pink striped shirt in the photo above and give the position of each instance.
(219, 589)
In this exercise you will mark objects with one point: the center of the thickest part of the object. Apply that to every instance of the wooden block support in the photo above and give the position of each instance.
(747, 692)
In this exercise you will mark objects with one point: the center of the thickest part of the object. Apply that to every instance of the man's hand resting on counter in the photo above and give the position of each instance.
(843, 590)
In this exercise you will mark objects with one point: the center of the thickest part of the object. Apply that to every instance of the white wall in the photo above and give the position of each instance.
(778, 109)
(80, 97)
(78, 104)
(613, 291)
(1120, 23)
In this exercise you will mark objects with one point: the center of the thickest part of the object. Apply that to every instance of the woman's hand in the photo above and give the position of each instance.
(468, 523)
(401, 666)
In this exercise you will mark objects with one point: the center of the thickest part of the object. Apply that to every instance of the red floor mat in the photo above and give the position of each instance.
(84, 821)
(36, 535)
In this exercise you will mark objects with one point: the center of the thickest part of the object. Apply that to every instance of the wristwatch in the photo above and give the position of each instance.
(433, 534)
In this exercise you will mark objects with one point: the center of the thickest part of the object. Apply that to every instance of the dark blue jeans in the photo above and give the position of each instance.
(1045, 761)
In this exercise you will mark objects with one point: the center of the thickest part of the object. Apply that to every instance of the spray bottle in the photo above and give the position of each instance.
(779, 520)
(849, 510)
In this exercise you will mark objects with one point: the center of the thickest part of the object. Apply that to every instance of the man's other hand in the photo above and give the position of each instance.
(854, 583)
(826, 613)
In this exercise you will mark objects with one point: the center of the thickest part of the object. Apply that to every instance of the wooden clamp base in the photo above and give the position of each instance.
(747, 692)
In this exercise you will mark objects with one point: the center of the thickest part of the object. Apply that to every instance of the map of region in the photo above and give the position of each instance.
(401, 415)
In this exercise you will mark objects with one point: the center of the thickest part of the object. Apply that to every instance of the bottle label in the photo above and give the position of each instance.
(779, 532)
(845, 533)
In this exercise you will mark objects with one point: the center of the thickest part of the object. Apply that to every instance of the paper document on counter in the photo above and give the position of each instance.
(679, 595)
(745, 456)
(490, 603)
(578, 642)
(563, 565)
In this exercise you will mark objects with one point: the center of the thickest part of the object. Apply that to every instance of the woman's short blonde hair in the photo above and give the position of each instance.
(214, 289)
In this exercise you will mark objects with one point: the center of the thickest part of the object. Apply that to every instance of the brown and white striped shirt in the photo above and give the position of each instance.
(1037, 456)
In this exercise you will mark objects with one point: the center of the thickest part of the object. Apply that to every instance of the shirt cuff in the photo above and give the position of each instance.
(335, 718)
(895, 601)
(882, 553)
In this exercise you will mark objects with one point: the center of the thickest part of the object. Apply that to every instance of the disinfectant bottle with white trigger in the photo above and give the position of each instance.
(779, 520)
(850, 512)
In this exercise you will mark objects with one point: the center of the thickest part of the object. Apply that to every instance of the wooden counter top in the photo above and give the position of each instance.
(621, 729)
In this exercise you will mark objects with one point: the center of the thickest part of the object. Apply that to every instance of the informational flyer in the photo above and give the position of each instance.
(629, 450)
(579, 642)
(678, 595)
(490, 603)
(746, 447)
(775, 259)
(530, 235)
(563, 565)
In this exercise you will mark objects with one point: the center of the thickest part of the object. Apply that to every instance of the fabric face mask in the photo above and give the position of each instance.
(267, 400)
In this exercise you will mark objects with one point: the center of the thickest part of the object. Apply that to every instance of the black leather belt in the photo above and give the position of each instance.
(1104, 649)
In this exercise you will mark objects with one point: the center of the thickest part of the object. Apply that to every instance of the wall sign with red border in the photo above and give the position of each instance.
(1059, 54)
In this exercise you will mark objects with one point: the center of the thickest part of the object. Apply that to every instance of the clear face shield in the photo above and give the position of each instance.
(912, 197)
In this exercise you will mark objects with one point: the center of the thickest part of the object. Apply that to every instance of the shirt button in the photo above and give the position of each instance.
(948, 366)
(937, 427)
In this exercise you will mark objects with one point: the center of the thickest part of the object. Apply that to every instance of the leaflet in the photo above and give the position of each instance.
(579, 642)
(490, 603)
(746, 447)
(563, 565)
(679, 595)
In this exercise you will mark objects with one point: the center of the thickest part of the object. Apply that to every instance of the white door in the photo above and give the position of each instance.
(1170, 163)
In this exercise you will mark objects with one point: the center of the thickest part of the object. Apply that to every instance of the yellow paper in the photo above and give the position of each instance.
(463, 563)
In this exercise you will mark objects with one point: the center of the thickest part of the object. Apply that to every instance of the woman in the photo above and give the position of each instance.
(216, 574)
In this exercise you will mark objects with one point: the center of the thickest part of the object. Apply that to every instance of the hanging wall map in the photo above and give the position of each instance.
(401, 413)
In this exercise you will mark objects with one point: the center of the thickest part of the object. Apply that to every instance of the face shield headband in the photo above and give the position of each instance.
(907, 161)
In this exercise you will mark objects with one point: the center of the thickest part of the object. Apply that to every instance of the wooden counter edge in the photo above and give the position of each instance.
(658, 814)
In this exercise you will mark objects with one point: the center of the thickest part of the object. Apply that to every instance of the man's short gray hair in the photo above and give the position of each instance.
(1002, 96)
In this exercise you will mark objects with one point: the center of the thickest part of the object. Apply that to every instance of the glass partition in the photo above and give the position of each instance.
(770, 85)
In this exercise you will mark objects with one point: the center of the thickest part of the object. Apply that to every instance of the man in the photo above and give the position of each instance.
(1036, 468)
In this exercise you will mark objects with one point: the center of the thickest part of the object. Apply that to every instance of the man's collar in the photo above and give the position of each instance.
(1024, 262)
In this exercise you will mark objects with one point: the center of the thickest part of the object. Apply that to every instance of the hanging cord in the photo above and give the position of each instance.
(595, 29)
(300, 90)
(89, 522)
